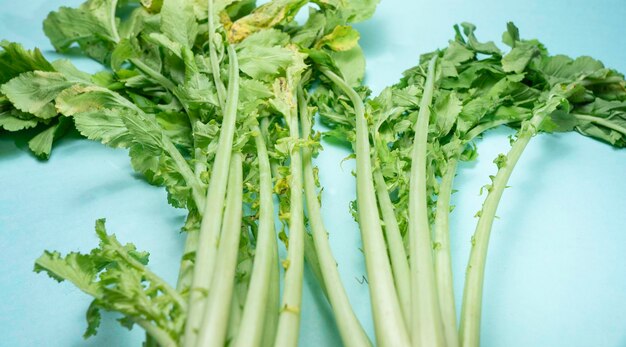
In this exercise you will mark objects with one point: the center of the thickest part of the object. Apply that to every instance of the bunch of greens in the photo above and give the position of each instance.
(210, 99)
(215, 101)
(414, 133)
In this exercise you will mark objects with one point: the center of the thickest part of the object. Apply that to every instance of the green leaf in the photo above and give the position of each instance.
(351, 65)
(15, 60)
(355, 10)
(106, 126)
(266, 38)
(265, 63)
(125, 50)
(33, 92)
(446, 110)
(511, 35)
(312, 30)
(265, 16)
(41, 144)
(93, 320)
(13, 120)
(342, 38)
(457, 53)
(486, 48)
(92, 25)
(75, 267)
(178, 22)
(519, 57)
(81, 98)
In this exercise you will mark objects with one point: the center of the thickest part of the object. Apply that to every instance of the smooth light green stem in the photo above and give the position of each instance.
(311, 259)
(210, 226)
(265, 258)
(601, 121)
(218, 306)
(155, 75)
(397, 251)
(234, 318)
(158, 334)
(388, 320)
(481, 128)
(215, 65)
(270, 324)
(273, 301)
(351, 331)
(289, 318)
(426, 328)
(475, 272)
(443, 260)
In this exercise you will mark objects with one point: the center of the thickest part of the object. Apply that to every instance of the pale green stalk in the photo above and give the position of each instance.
(601, 121)
(218, 305)
(291, 305)
(158, 334)
(388, 321)
(273, 299)
(215, 65)
(443, 260)
(265, 259)
(351, 331)
(426, 327)
(475, 273)
(270, 325)
(397, 251)
(214, 207)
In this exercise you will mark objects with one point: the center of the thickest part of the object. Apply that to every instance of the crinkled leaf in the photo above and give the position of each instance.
(265, 16)
(81, 98)
(33, 92)
(446, 110)
(106, 126)
(77, 268)
(92, 25)
(264, 63)
(178, 21)
(15, 60)
(517, 59)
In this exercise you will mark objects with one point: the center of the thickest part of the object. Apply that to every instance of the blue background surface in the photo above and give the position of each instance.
(556, 272)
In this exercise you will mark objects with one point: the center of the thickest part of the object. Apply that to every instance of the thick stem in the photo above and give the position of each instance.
(351, 331)
(475, 273)
(212, 217)
(397, 251)
(289, 319)
(443, 261)
(234, 318)
(426, 327)
(273, 302)
(388, 321)
(158, 334)
(213, 327)
(265, 258)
